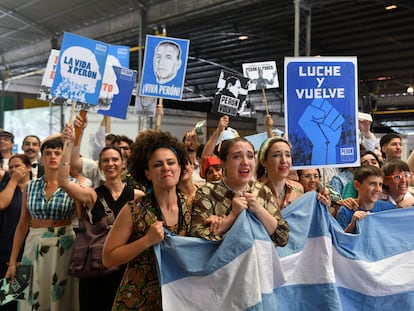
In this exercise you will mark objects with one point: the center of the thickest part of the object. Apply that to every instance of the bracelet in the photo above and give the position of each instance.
(64, 164)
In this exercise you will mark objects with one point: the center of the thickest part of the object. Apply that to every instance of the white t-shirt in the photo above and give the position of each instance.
(90, 169)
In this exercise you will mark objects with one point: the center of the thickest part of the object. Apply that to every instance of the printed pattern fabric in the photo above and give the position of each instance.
(216, 199)
(140, 288)
(48, 251)
(59, 206)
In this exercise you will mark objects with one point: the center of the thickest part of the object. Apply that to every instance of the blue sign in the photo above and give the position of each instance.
(80, 69)
(117, 56)
(125, 81)
(165, 62)
(321, 108)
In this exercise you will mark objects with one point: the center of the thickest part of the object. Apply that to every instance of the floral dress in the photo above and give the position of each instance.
(216, 199)
(140, 288)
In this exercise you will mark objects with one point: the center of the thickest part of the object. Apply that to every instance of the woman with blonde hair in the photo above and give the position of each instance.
(273, 168)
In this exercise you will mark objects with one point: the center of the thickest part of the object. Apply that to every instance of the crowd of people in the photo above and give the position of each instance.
(159, 182)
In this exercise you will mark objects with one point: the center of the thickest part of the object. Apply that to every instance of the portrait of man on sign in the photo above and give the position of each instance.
(167, 61)
(230, 97)
(232, 87)
(163, 72)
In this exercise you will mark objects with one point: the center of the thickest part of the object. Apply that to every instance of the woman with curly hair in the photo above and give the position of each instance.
(157, 162)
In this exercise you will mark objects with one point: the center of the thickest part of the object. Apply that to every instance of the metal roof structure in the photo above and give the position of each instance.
(382, 40)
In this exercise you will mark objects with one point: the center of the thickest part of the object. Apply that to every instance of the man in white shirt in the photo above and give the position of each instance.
(368, 139)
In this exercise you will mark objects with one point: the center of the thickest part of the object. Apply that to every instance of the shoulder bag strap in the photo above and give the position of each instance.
(108, 211)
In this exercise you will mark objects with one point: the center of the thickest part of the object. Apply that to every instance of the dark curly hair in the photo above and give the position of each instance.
(144, 146)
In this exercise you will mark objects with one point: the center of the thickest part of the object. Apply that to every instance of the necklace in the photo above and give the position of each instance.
(234, 191)
(279, 196)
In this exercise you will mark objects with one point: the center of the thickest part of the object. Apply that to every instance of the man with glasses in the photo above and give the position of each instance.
(368, 181)
(124, 143)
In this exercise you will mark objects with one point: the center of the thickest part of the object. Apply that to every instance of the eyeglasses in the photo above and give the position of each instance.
(398, 177)
(309, 176)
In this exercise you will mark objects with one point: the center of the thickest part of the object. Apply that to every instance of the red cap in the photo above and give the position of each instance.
(209, 161)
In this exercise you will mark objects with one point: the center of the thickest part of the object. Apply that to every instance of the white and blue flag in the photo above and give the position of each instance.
(321, 268)
(238, 273)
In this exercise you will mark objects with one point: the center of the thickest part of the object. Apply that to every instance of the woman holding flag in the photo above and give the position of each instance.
(217, 205)
(157, 162)
(273, 168)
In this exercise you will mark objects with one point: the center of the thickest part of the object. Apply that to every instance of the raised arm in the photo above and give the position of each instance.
(211, 143)
(75, 158)
(369, 138)
(410, 162)
(76, 191)
(268, 122)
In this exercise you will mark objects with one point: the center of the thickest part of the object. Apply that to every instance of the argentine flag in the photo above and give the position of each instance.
(321, 268)
(238, 273)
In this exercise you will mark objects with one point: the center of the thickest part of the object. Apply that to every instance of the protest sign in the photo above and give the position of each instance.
(80, 69)
(262, 75)
(230, 98)
(165, 62)
(321, 108)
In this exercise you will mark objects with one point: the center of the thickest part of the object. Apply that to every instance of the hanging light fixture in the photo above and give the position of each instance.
(243, 37)
(410, 89)
(391, 7)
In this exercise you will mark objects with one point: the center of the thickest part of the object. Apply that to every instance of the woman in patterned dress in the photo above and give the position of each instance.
(157, 159)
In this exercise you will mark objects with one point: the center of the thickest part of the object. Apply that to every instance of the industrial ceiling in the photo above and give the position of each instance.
(382, 40)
